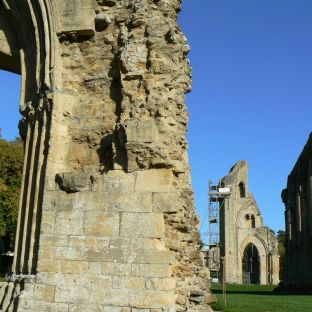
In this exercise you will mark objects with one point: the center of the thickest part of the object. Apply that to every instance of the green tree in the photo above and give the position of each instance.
(11, 164)
(281, 251)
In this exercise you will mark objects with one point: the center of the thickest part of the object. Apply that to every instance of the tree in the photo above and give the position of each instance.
(11, 164)
(281, 251)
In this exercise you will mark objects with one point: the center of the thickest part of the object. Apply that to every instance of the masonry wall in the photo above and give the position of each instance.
(117, 225)
(297, 198)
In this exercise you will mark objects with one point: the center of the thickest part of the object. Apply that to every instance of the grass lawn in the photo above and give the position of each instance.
(260, 298)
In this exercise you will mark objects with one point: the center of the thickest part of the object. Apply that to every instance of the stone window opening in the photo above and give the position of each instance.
(250, 221)
(242, 190)
(290, 221)
(253, 222)
(299, 213)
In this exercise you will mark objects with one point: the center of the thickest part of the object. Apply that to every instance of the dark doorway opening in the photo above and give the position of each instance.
(251, 265)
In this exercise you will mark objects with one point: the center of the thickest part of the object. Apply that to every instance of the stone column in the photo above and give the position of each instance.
(118, 228)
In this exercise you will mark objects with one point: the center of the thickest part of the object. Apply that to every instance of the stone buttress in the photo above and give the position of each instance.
(107, 219)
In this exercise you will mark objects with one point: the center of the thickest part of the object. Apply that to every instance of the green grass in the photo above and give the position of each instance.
(259, 298)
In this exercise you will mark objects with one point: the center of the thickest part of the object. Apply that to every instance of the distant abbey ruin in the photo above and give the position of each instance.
(248, 249)
(297, 198)
(106, 219)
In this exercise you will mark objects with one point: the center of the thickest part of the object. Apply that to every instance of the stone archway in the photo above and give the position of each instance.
(28, 50)
(255, 248)
(251, 265)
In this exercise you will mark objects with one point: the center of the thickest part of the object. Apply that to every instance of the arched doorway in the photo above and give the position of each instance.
(251, 265)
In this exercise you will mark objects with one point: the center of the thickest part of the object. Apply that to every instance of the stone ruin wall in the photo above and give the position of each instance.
(297, 198)
(237, 230)
(118, 228)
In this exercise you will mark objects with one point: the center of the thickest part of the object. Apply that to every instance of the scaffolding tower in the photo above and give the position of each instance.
(217, 195)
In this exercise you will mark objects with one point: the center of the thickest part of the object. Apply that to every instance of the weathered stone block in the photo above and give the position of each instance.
(152, 299)
(48, 222)
(44, 293)
(68, 253)
(121, 242)
(149, 243)
(88, 201)
(53, 240)
(97, 255)
(141, 131)
(71, 266)
(128, 282)
(85, 241)
(46, 265)
(118, 183)
(101, 224)
(59, 307)
(77, 279)
(69, 294)
(152, 256)
(95, 267)
(151, 270)
(84, 308)
(69, 223)
(132, 202)
(46, 252)
(116, 269)
(116, 309)
(77, 16)
(92, 295)
(163, 283)
(142, 225)
(163, 202)
(154, 180)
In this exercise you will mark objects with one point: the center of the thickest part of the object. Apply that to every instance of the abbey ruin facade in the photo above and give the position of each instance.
(247, 247)
(106, 219)
(297, 198)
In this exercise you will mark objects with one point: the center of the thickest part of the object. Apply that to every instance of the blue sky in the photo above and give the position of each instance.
(252, 95)
(251, 98)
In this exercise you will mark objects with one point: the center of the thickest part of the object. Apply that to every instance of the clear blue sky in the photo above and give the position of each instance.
(252, 93)
(251, 98)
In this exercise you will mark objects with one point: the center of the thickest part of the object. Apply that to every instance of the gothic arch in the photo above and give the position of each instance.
(33, 25)
(248, 207)
(251, 264)
(258, 242)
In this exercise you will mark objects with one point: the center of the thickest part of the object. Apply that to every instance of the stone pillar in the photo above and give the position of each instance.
(117, 229)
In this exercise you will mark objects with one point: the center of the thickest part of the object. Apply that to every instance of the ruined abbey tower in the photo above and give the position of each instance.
(107, 219)
(248, 249)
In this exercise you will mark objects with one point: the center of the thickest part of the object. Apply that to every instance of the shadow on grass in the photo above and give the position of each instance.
(265, 292)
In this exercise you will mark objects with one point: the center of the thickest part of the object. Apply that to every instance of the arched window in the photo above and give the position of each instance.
(250, 221)
(242, 191)
(253, 221)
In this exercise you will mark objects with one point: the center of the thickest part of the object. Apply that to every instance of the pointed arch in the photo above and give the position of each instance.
(262, 250)
(33, 25)
(251, 265)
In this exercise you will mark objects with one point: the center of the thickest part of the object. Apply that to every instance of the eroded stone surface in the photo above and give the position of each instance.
(298, 207)
(112, 220)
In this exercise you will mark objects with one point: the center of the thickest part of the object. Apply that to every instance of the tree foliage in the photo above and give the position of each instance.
(281, 251)
(11, 164)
